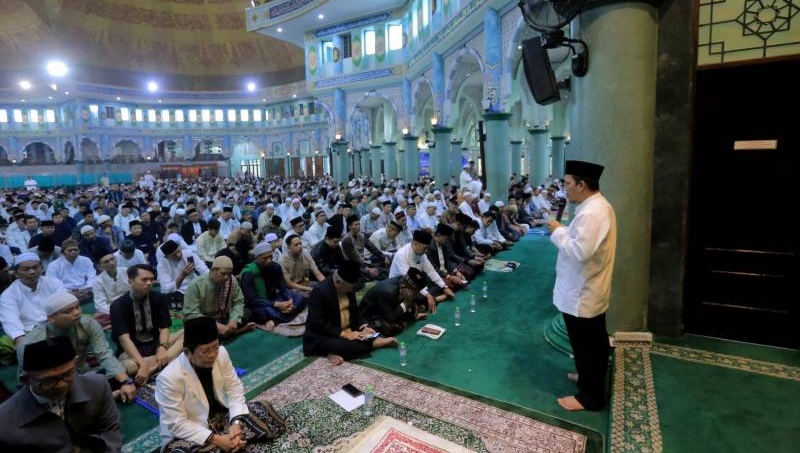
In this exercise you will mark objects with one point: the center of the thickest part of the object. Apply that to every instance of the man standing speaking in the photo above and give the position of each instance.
(586, 250)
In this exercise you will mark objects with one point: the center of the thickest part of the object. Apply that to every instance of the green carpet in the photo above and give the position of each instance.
(714, 409)
(499, 352)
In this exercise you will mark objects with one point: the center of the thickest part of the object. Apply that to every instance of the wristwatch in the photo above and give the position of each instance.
(128, 381)
(237, 422)
(164, 345)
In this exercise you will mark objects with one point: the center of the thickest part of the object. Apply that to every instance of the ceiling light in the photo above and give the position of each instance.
(54, 87)
(57, 68)
(49, 97)
(251, 86)
(294, 95)
(25, 84)
(66, 93)
(152, 87)
(159, 101)
(264, 100)
(280, 30)
(118, 98)
(22, 100)
(321, 16)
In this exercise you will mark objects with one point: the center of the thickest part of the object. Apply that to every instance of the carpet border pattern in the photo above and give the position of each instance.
(634, 410)
(727, 361)
(500, 430)
(150, 440)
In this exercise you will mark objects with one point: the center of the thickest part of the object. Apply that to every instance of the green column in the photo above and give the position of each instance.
(557, 147)
(440, 156)
(538, 157)
(454, 164)
(411, 156)
(497, 166)
(375, 154)
(364, 156)
(401, 161)
(516, 157)
(390, 160)
(340, 160)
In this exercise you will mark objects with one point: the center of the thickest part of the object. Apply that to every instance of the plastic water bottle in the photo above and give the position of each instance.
(403, 354)
(368, 394)
(485, 290)
(473, 303)
(458, 316)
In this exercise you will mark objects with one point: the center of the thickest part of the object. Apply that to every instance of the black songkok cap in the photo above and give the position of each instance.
(135, 222)
(416, 278)
(47, 354)
(296, 220)
(197, 331)
(583, 169)
(351, 219)
(46, 244)
(333, 232)
(277, 220)
(191, 211)
(227, 209)
(396, 225)
(444, 229)
(463, 218)
(47, 223)
(127, 246)
(350, 272)
(213, 224)
(422, 236)
(169, 247)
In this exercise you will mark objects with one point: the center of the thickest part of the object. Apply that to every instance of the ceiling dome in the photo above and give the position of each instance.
(187, 44)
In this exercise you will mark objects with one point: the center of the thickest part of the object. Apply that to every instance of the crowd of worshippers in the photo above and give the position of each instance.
(285, 257)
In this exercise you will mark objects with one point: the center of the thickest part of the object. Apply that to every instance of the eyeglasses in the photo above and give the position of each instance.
(52, 381)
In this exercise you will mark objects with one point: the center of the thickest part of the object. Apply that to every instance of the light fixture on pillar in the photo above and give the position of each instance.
(435, 119)
(338, 136)
(405, 131)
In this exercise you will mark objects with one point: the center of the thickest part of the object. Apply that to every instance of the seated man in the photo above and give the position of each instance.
(209, 242)
(86, 337)
(176, 271)
(266, 294)
(353, 247)
(76, 272)
(444, 260)
(128, 255)
(140, 325)
(110, 285)
(334, 326)
(22, 303)
(218, 296)
(298, 267)
(413, 255)
(220, 419)
(327, 254)
(59, 411)
(394, 303)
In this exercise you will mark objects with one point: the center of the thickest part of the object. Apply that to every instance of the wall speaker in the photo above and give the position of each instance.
(538, 72)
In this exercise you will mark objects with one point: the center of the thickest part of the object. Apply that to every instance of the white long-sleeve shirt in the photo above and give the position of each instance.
(586, 251)
(168, 272)
(22, 308)
(79, 274)
(107, 289)
(405, 258)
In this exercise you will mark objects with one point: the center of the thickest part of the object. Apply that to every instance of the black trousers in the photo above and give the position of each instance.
(589, 341)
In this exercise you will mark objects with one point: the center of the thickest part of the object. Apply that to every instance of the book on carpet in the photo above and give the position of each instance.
(431, 331)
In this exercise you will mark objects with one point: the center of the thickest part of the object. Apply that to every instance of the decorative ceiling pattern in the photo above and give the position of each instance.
(195, 38)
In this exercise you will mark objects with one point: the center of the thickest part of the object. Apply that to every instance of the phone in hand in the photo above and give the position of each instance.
(352, 390)
(372, 335)
(190, 259)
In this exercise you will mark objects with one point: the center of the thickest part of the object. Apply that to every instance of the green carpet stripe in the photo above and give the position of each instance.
(634, 413)
(728, 361)
(253, 383)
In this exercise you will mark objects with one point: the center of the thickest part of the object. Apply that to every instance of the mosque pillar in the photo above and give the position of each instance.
(339, 111)
(557, 147)
(538, 159)
(375, 154)
(623, 75)
(401, 162)
(497, 166)
(390, 160)
(338, 48)
(440, 155)
(437, 85)
(411, 155)
(493, 58)
(455, 159)
(516, 157)
(364, 156)
(340, 158)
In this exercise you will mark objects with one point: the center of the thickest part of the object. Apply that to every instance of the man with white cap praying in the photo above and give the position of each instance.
(176, 270)
(316, 232)
(90, 244)
(86, 336)
(371, 222)
(22, 303)
(467, 182)
(217, 295)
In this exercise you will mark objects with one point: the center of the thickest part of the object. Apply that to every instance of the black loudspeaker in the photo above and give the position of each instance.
(538, 72)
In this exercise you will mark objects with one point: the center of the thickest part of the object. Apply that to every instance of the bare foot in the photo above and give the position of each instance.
(335, 359)
(268, 327)
(570, 403)
(572, 377)
(382, 342)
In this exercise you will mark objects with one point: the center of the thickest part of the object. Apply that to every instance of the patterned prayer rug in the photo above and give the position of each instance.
(458, 419)
(496, 265)
(388, 435)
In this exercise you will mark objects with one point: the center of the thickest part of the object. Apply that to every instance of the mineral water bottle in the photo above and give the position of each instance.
(485, 290)
(403, 354)
(458, 316)
(368, 394)
(473, 303)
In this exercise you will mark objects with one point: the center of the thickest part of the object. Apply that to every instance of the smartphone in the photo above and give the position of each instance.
(352, 390)
(190, 259)
(373, 335)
